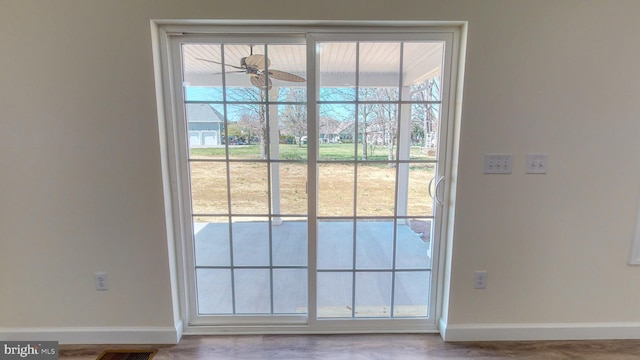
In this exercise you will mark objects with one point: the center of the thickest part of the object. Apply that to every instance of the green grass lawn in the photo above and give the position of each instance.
(333, 152)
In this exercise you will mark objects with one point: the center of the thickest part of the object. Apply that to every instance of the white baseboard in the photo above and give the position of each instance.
(442, 328)
(530, 332)
(96, 335)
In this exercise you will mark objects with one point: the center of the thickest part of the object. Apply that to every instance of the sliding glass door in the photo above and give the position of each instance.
(376, 161)
(309, 174)
(246, 120)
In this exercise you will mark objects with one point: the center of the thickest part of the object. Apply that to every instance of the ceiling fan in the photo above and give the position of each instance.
(255, 66)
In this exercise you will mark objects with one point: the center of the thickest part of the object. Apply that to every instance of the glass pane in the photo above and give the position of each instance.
(292, 130)
(337, 93)
(374, 244)
(377, 131)
(209, 187)
(373, 294)
(413, 244)
(336, 187)
(289, 241)
(211, 236)
(376, 189)
(419, 202)
(288, 71)
(202, 93)
(247, 131)
(253, 294)
(337, 65)
(202, 74)
(335, 244)
(214, 291)
(291, 149)
(337, 132)
(205, 128)
(335, 294)
(424, 131)
(290, 291)
(423, 74)
(217, 152)
(243, 64)
(411, 295)
(379, 71)
(422, 70)
(250, 242)
(249, 188)
(289, 184)
(423, 227)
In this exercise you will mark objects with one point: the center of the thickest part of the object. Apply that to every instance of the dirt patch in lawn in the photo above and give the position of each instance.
(249, 184)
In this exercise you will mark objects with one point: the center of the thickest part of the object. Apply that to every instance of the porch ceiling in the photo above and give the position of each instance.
(379, 63)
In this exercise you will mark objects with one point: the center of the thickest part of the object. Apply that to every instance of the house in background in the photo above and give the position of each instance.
(206, 125)
(329, 130)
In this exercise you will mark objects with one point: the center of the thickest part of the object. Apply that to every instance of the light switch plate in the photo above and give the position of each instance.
(537, 163)
(497, 163)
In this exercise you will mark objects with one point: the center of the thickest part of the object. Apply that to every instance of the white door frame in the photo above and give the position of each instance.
(179, 229)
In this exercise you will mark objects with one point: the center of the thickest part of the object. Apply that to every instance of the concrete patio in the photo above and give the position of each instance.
(254, 264)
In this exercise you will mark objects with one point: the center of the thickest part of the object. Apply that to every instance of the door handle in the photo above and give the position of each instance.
(429, 186)
(440, 201)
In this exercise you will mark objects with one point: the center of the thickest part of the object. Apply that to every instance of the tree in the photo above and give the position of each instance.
(388, 115)
(372, 122)
(426, 115)
(252, 113)
(366, 116)
(338, 117)
(233, 129)
(380, 119)
(293, 117)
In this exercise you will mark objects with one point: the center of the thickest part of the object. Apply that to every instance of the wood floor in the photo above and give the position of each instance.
(364, 347)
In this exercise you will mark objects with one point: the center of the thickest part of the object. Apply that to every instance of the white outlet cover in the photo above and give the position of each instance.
(102, 282)
(480, 279)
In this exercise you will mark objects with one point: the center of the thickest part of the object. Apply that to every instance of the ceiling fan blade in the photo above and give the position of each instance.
(230, 72)
(285, 76)
(259, 81)
(219, 63)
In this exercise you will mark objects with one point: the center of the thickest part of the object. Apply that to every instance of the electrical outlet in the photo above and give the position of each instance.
(497, 163)
(102, 282)
(480, 280)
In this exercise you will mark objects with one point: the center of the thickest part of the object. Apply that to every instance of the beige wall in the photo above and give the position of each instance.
(81, 178)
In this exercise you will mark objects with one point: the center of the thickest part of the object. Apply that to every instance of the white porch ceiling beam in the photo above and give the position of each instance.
(326, 80)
